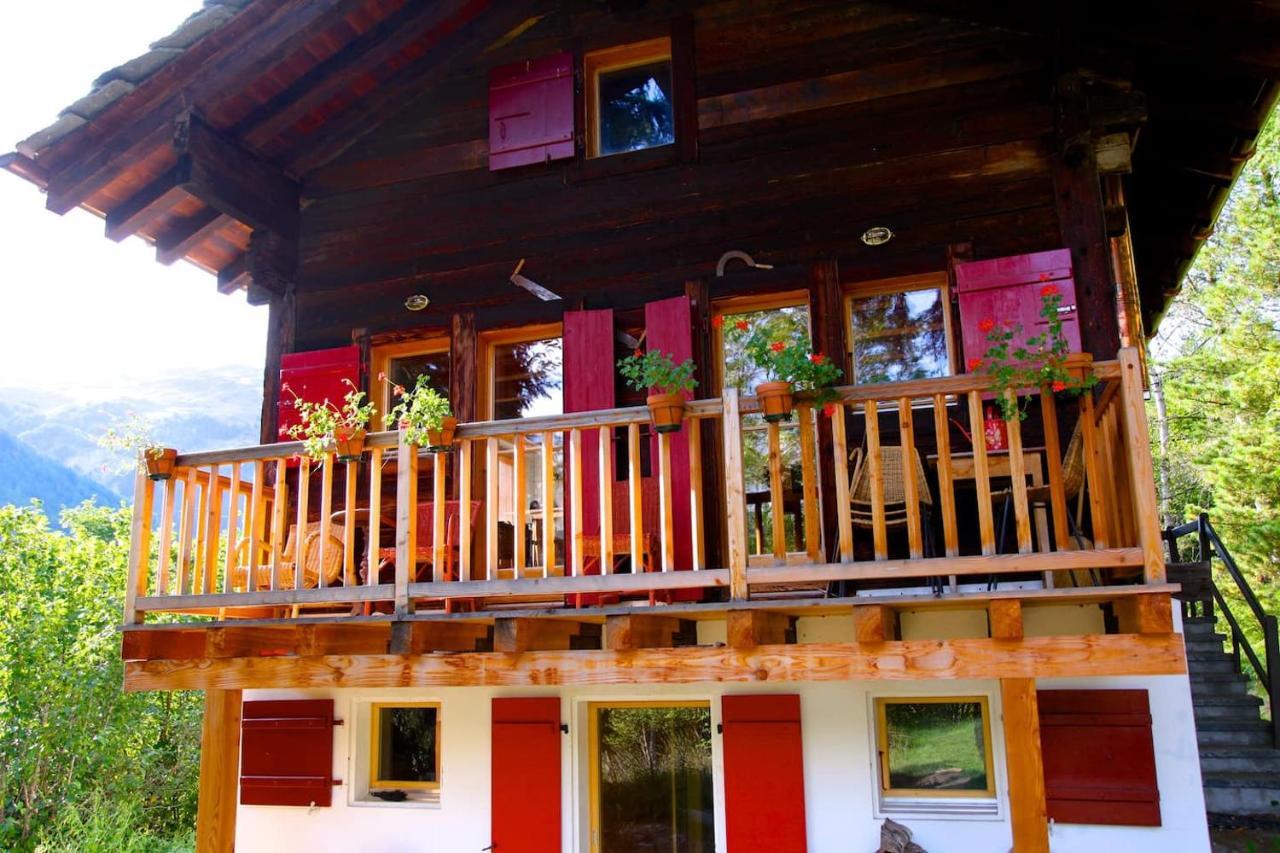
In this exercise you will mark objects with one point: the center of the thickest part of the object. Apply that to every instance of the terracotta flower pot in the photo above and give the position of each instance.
(441, 440)
(160, 463)
(777, 400)
(666, 411)
(348, 444)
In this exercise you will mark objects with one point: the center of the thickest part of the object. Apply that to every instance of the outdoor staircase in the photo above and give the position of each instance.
(1239, 748)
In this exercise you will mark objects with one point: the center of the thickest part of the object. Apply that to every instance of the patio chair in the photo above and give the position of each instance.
(311, 572)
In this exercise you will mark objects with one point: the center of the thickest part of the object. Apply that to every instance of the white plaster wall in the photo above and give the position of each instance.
(838, 763)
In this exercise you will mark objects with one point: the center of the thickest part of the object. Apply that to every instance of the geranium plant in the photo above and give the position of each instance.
(1039, 361)
(656, 369)
(325, 427)
(132, 437)
(790, 363)
(423, 413)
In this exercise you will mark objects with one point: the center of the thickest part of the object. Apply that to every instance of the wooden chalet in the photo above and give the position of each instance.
(573, 634)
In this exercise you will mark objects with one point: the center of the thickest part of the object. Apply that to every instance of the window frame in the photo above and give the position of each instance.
(380, 358)
(887, 792)
(939, 281)
(731, 305)
(619, 58)
(485, 388)
(375, 725)
(593, 753)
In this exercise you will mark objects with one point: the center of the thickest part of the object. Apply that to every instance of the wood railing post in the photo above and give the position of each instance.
(139, 545)
(1141, 472)
(406, 520)
(735, 496)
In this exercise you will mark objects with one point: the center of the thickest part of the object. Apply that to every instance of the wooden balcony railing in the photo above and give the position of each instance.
(260, 532)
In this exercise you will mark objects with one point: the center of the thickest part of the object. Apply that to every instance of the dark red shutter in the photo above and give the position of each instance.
(1008, 289)
(531, 112)
(588, 385)
(1099, 758)
(286, 753)
(763, 773)
(314, 376)
(526, 775)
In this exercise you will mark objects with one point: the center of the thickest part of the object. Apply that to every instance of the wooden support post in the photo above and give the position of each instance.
(1145, 614)
(735, 497)
(406, 520)
(875, 623)
(1141, 477)
(139, 544)
(746, 629)
(1005, 616)
(638, 631)
(516, 635)
(827, 315)
(1027, 808)
(219, 772)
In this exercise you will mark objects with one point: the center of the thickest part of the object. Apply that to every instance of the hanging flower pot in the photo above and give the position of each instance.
(348, 443)
(777, 400)
(666, 411)
(160, 462)
(440, 439)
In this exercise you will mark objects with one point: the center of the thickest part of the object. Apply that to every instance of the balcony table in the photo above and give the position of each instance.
(998, 465)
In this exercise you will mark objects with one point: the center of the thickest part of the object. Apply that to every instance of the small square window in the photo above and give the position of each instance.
(629, 99)
(934, 747)
(405, 751)
(899, 331)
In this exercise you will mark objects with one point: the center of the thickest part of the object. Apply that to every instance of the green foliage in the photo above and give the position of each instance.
(790, 358)
(656, 369)
(320, 422)
(79, 758)
(1035, 362)
(420, 411)
(132, 439)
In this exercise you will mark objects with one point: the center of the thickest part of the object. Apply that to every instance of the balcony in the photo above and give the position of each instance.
(384, 538)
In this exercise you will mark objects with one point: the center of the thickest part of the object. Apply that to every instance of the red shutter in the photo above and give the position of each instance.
(526, 775)
(1099, 758)
(286, 753)
(763, 773)
(588, 386)
(314, 376)
(1009, 289)
(531, 112)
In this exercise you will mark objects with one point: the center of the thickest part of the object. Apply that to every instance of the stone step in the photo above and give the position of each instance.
(1240, 759)
(1204, 666)
(1212, 733)
(1216, 677)
(1241, 713)
(1242, 793)
(1248, 700)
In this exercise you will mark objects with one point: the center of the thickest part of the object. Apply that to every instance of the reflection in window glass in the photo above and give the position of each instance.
(405, 370)
(653, 780)
(405, 749)
(899, 336)
(934, 746)
(528, 379)
(635, 108)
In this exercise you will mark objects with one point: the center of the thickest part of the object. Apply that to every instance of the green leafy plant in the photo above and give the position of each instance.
(1038, 362)
(132, 438)
(656, 369)
(320, 423)
(420, 411)
(790, 358)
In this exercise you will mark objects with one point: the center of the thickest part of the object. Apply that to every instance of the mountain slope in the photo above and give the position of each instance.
(25, 474)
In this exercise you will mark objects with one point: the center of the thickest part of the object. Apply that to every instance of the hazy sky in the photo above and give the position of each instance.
(78, 310)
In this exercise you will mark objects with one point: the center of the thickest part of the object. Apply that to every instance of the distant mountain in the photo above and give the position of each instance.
(54, 436)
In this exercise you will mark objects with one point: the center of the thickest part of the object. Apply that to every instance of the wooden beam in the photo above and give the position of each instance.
(1110, 558)
(186, 235)
(1046, 657)
(747, 629)
(219, 772)
(1005, 617)
(1144, 614)
(420, 638)
(148, 204)
(1027, 808)
(234, 276)
(639, 631)
(519, 635)
(281, 325)
(875, 623)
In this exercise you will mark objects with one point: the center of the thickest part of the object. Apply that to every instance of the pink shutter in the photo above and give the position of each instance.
(588, 386)
(314, 376)
(525, 781)
(763, 773)
(1009, 289)
(531, 112)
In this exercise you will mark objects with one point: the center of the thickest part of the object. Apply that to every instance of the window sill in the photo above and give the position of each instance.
(415, 800)
(937, 808)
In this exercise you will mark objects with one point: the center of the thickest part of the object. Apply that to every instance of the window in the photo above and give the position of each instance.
(405, 753)
(899, 329)
(403, 363)
(629, 98)
(934, 747)
(650, 778)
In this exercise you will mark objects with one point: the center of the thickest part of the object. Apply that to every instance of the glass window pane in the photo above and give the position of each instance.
(936, 746)
(407, 745)
(654, 772)
(405, 370)
(899, 336)
(635, 108)
(528, 379)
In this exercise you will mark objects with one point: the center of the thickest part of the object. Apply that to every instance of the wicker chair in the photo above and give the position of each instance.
(895, 498)
(311, 571)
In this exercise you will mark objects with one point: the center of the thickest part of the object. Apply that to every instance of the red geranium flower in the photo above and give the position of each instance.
(399, 390)
(717, 321)
(1044, 276)
(1059, 386)
(1049, 290)
(777, 346)
(829, 409)
(818, 358)
(742, 325)
(638, 353)
(382, 376)
(974, 364)
(285, 387)
(987, 324)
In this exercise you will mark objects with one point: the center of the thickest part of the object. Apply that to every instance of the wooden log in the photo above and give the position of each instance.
(1027, 808)
(746, 629)
(875, 623)
(875, 471)
(735, 497)
(639, 631)
(946, 483)
(809, 484)
(1145, 614)
(219, 772)
(406, 521)
(519, 635)
(981, 475)
(1141, 478)
(840, 450)
(1005, 617)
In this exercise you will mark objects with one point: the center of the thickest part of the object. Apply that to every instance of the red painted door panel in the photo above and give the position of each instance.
(763, 773)
(314, 376)
(286, 753)
(531, 112)
(1099, 757)
(526, 775)
(1009, 289)
(588, 386)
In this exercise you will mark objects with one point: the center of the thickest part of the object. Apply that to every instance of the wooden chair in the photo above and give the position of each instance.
(425, 553)
(622, 549)
(311, 571)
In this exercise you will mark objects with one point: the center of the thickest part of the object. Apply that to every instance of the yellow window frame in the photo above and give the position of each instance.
(882, 747)
(618, 58)
(902, 284)
(375, 751)
(381, 358)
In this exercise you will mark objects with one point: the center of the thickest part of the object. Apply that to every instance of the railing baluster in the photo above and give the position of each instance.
(518, 488)
(372, 558)
(463, 475)
(696, 531)
(910, 488)
(1018, 480)
(666, 514)
(350, 481)
(165, 557)
(605, 474)
(213, 530)
(575, 499)
(491, 508)
(186, 531)
(812, 513)
(1093, 471)
(946, 482)
(981, 474)
(406, 520)
(875, 467)
(778, 515)
(439, 509)
(300, 528)
(548, 504)
(735, 497)
(279, 516)
(139, 545)
(326, 515)
(202, 537)
(1053, 471)
(634, 495)
(844, 508)
(233, 530)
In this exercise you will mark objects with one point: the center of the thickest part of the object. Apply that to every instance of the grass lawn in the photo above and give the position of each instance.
(934, 745)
